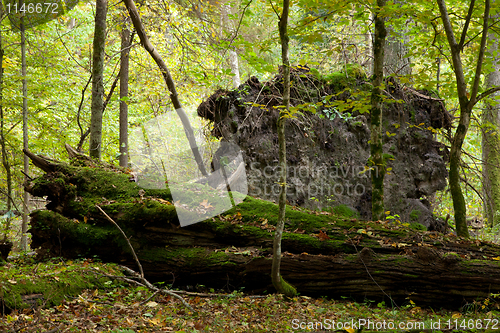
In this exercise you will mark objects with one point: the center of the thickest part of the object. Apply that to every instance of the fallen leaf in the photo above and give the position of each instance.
(205, 204)
(165, 202)
(322, 236)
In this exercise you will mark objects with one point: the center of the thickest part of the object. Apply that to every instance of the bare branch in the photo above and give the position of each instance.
(486, 94)
(126, 238)
(482, 50)
(466, 26)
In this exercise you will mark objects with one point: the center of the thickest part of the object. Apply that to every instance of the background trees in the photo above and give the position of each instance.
(490, 125)
(98, 79)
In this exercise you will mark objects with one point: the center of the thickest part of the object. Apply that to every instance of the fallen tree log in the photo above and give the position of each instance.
(324, 254)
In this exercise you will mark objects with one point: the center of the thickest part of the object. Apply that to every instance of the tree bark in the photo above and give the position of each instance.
(233, 56)
(235, 69)
(124, 72)
(395, 60)
(466, 106)
(490, 141)
(136, 20)
(279, 283)
(376, 152)
(24, 225)
(3, 145)
(98, 79)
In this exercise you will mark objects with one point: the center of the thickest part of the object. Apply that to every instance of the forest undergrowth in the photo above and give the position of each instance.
(98, 303)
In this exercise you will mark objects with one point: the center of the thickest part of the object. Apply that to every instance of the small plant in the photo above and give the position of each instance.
(394, 218)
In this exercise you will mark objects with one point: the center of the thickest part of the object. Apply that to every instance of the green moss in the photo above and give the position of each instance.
(346, 211)
(108, 184)
(252, 208)
(417, 226)
(150, 212)
(220, 258)
(53, 282)
(412, 276)
(452, 255)
(189, 256)
(81, 233)
(286, 288)
(345, 78)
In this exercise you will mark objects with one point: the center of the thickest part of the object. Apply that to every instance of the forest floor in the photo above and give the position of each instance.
(75, 296)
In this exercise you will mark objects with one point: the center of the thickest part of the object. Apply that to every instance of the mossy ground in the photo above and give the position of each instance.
(109, 306)
(52, 281)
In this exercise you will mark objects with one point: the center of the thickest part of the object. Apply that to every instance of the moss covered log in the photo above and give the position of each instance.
(324, 254)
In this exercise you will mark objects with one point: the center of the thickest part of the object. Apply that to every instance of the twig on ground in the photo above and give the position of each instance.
(140, 276)
(150, 286)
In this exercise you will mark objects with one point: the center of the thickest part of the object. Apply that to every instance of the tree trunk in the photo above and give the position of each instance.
(376, 153)
(136, 20)
(24, 225)
(124, 62)
(279, 283)
(233, 56)
(395, 60)
(466, 106)
(3, 145)
(324, 254)
(98, 79)
(235, 69)
(490, 142)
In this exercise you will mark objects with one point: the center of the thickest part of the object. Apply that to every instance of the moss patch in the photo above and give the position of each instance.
(346, 211)
(48, 283)
(415, 215)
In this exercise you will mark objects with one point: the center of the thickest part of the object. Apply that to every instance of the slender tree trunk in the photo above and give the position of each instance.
(124, 62)
(279, 283)
(98, 79)
(490, 142)
(377, 156)
(466, 106)
(188, 130)
(395, 51)
(235, 69)
(3, 143)
(24, 226)
(233, 56)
